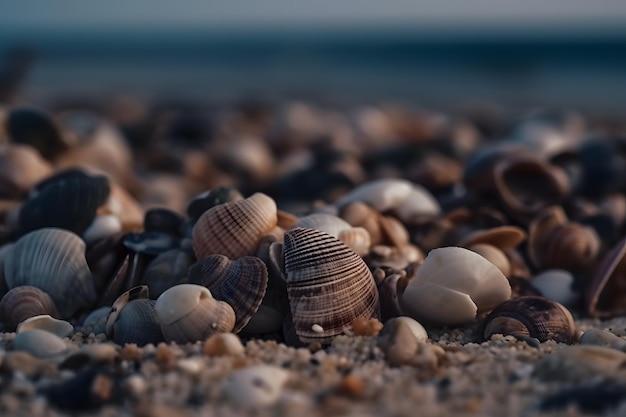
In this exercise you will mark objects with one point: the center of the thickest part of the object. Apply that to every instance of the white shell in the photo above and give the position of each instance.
(419, 203)
(556, 284)
(101, 227)
(383, 194)
(453, 285)
(45, 322)
(417, 329)
(255, 386)
(328, 223)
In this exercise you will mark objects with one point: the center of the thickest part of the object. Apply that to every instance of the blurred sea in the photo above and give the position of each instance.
(454, 69)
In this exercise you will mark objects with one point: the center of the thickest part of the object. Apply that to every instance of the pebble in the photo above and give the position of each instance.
(401, 339)
(223, 344)
(45, 322)
(255, 386)
(605, 338)
(581, 363)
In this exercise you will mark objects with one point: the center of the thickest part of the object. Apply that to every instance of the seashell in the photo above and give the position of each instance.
(137, 323)
(503, 237)
(400, 340)
(419, 203)
(234, 229)
(209, 199)
(37, 128)
(328, 285)
(286, 220)
(328, 223)
(576, 364)
(102, 227)
(493, 255)
(188, 313)
(54, 261)
(163, 220)
(23, 302)
(139, 292)
(557, 285)
(382, 195)
(605, 294)
(40, 343)
(359, 214)
(531, 317)
(67, 200)
(556, 243)
(95, 322)
(255, 386)
(241, 283)
(525, 186)
(97, 144)
(389, 292)
(357, 239)
(452, 286)
(60, 328)
(166, 270)
(393, 257)
(21, 167)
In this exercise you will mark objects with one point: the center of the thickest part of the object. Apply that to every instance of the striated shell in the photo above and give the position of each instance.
(139, 292)
(68, 200)
(328, 285)
(23, 302)
(452, 286)
(166, 270)
(234, 229)
(531, 317)
(54, 261)
(137, 323)
(209, 199)
(188, 313)
(241, 283)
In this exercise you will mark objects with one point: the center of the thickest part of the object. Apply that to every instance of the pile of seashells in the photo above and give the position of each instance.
(293, 223)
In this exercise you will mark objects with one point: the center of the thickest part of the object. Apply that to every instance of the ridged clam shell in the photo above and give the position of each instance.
(234, 228)
(54, 261)
(531, 316)
(23, 302)
(137, 323)
(188, 313)
(328, 285)
(241, 283)
(68, 200)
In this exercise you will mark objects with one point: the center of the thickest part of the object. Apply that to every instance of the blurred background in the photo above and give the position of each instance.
(441, 54)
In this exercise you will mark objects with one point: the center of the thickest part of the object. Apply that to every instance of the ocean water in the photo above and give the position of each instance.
(450, 70)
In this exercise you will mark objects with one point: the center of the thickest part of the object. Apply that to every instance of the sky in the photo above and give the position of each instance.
(28, 15)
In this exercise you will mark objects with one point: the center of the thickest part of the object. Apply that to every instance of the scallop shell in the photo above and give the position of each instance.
(531, 317)
(188, 313)
(241, 283)
(452, 286)
(54, 261)
(23, 302)
(234, 229)
(328, 285)
(68, 200)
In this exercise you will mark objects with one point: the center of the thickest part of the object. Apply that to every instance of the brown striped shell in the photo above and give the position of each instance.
(54, 261)
(235, 228)
(23, 302)
(328, 285)
(241, 283)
